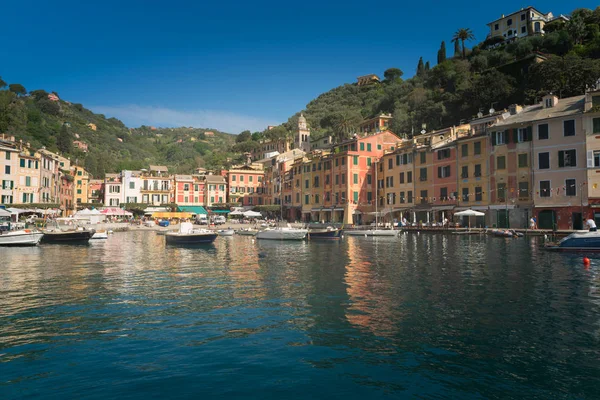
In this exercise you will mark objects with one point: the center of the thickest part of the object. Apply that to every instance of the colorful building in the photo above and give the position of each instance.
(215, 190)
(157, 186)
(113, 193)
(591, 128)
(246, 184)
(9, 168)
(525, 22)
(96, 191)
(397, 181)
(27, 188)
(82, 180)
(378, 124)
(189, 190)
(66, 195)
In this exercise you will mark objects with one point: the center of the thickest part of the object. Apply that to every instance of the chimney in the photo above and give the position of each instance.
(549, 101)
(514, 109)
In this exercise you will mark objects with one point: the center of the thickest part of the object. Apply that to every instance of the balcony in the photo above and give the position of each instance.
(422, 178)
(155, 190)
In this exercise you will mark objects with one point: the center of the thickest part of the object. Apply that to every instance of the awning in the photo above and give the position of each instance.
(501, 207)
(150, 210)
(442, 208)
(192, 209)
(220, 211)
(317, 209)
(166, 214)
(338, 209)
(4, 213)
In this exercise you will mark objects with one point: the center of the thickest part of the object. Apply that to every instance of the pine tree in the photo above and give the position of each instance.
(441, 56)
(427, 66)
(420, 67)
(64, 141)
(457, 52)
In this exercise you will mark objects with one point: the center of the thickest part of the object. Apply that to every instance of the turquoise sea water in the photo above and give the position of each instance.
(425, 316)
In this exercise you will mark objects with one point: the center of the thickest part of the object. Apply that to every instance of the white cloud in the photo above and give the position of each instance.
(225, 121)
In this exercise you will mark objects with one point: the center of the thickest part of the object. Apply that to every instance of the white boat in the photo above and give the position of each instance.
(584, 241)
(188, 235)
(371, 232)
(225, 232)
(100, 234)
(247, 232)
(282, 233)
(22, 237)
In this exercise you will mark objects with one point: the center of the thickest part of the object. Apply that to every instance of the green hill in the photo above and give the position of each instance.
(493, 74)
(36, 119)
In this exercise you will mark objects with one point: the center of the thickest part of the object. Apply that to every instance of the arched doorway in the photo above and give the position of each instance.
(546, 219)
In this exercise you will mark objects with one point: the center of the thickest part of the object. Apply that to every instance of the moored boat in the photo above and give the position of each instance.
(326, 233)
(225, 232)
(188, 235)
(247, 232)
(66, 230)
(100, 234)
(282, 233)
(21, 237)
(577, 241)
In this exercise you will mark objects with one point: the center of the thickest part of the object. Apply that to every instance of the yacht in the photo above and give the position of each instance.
(66, 230)
(282, 233)
(21, 237)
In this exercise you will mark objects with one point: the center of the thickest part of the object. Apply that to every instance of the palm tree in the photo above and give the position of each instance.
(462, 35)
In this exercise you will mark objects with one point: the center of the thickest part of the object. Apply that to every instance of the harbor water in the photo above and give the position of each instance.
(426, 316)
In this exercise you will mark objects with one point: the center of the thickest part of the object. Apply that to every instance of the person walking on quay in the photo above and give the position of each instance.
(591, 224)
(532, 223)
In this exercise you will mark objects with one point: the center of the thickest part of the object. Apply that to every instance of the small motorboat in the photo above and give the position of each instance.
(326, 233)
(100, 234)
(226, 232)
(21, 237)
(577, 241)
(66, 230)
(247, 232)
(188, 235)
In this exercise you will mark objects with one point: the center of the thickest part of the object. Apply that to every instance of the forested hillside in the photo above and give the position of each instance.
(492, 74)
(42, 119)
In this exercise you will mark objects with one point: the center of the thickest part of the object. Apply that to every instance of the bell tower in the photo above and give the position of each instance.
(302, 140)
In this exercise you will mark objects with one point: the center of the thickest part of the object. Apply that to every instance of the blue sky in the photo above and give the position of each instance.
(229, 65)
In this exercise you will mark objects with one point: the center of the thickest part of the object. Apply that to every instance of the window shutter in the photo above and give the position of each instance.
(529, 134)
(561, 159)
(590, 159)
(439, 172)
(493, 138)
(439, 155)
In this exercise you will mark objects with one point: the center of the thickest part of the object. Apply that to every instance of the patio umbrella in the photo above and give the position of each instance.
(4, 213)
(252, 214)
(469, 213)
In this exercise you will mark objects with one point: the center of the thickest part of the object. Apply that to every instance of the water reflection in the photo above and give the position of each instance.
(462, 315)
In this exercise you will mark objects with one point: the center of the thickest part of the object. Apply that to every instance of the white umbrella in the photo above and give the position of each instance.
(252, 214)
(4, 213)
(236, 212)
(469, 213)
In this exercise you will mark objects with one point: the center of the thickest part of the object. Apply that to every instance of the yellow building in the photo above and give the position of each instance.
(81, 185)
(423, 178)
(398, 183)
(525, 22)
(591, 127)
(473, 172)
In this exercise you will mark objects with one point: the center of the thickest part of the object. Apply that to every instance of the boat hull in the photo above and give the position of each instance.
(20, 238)
(226, 232)
(192, 238)
(282, 234)
(245, 232)
(577, 242)
(325, 234)
(68, 237)
(99, 235)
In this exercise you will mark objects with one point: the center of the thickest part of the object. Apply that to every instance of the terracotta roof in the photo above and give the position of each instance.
(158, 168)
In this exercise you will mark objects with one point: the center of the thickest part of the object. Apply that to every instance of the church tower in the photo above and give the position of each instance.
(302, 140)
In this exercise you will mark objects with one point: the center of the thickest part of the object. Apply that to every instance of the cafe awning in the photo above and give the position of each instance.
(192, 209)
(167, 214)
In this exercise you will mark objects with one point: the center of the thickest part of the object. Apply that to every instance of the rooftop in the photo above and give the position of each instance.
(565, 107)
